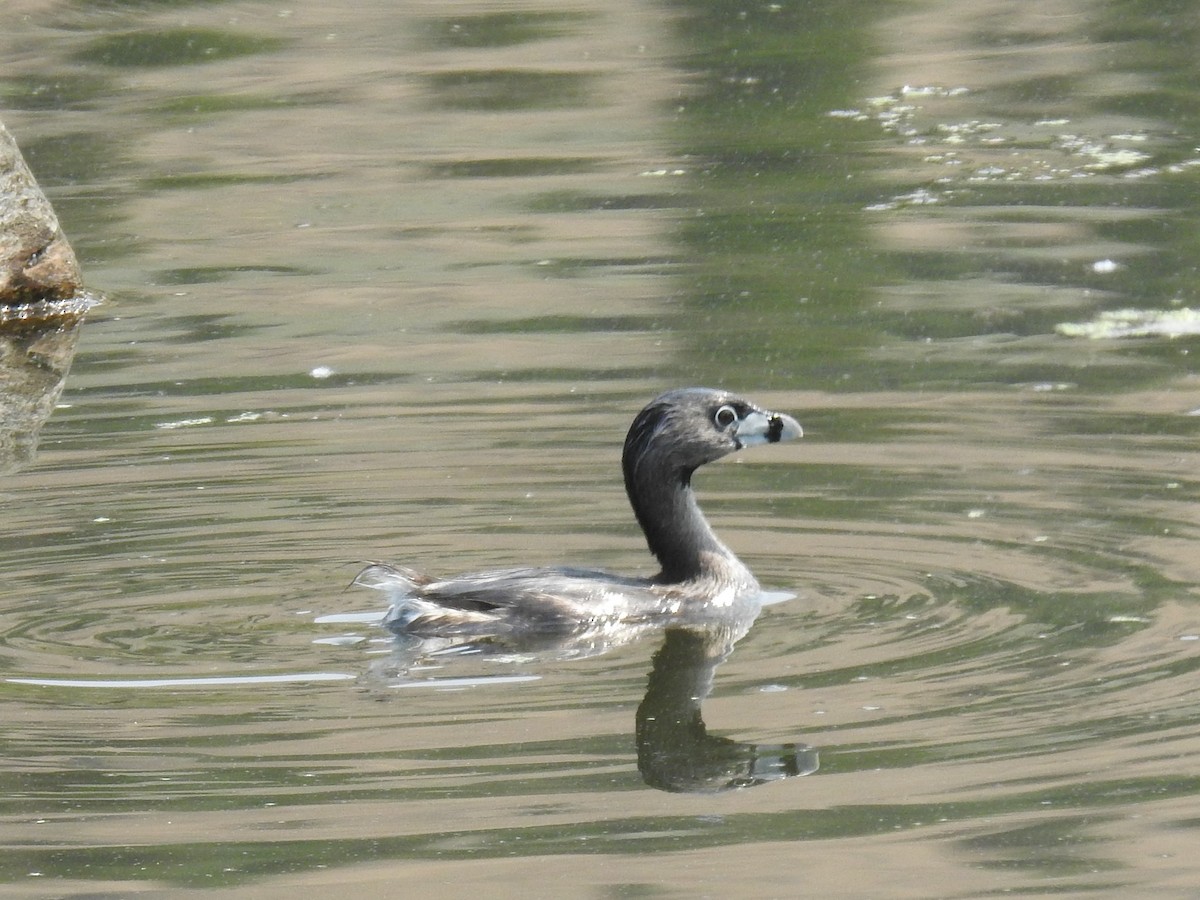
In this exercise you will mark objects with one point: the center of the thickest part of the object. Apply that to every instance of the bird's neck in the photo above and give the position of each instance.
(677, 532)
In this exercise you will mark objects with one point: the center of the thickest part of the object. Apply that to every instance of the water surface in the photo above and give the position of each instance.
(388, 281)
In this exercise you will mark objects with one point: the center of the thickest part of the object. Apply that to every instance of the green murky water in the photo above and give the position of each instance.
(389, 281)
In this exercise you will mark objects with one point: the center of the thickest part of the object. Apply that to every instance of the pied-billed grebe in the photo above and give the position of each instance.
(674, 435)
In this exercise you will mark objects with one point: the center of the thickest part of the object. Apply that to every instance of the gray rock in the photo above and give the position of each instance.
(36, 262)
(42, 302)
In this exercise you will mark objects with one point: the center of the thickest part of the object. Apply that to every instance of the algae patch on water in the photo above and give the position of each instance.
(1119, 323)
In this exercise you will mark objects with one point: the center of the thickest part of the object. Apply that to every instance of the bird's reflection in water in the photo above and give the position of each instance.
(675, 751)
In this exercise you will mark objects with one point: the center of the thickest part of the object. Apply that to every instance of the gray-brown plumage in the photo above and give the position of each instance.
(674, 435)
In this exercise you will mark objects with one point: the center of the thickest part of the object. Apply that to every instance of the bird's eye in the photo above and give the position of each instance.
(725, 416)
